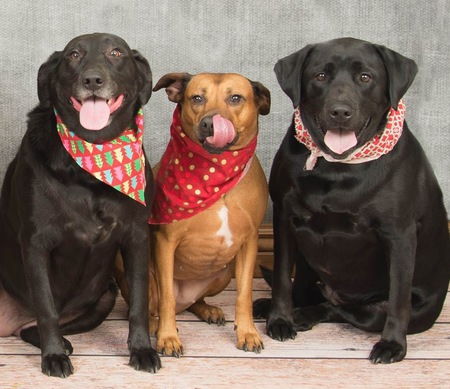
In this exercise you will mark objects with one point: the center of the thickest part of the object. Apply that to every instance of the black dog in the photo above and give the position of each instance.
(60, 227)
(367, 234)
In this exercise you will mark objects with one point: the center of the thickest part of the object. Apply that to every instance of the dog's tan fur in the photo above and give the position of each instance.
(192, 261)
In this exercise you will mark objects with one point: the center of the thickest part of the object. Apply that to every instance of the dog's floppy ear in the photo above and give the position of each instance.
(401, 72)
(175, 84)
(289, 73)
(262, 97)
(145, 75)
(44, 78)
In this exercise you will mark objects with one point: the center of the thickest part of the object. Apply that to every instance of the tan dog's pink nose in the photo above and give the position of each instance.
(222, 131)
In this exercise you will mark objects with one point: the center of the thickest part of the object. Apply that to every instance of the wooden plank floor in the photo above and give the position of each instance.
(329, 356)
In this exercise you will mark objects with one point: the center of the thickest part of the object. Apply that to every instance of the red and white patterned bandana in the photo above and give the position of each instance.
(190, 179)
(119, 163)
(376, 147)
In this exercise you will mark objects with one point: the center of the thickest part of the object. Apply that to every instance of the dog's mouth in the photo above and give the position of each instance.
(340, 140)
(95, 112)
(223, 135)
(218, 150)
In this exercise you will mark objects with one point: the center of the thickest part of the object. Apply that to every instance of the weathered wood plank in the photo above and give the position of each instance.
(203, 340)
(330, 355)
(227, 299)
(112, 372)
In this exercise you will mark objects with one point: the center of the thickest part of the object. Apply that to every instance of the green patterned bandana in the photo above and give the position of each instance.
(119, 163)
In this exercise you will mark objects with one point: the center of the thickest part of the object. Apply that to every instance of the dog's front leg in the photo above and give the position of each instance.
(401, 247)
(280, 324)
(55, 361)
(136, 254)
(168, 342)
(248, 338)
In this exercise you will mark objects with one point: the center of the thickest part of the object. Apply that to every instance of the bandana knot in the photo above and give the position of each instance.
(379, 145)
(119, 163)
(190, 179)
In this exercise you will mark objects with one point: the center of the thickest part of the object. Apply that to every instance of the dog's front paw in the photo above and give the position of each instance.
(261, 308)
(281, 329)
(249, 340)
(145, 359)
(387, 352)
(57, 365)
(169, 346)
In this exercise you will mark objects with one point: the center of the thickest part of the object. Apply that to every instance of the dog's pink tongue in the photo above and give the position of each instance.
(94, 113)
(340, 141)
(224, 132)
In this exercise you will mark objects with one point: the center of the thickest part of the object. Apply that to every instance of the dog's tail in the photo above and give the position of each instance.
(267, 274)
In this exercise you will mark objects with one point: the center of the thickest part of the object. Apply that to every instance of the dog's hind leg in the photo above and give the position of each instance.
(369, 317)
(208, 313)
(261, 308)
(31, 335)
(90, 319)
(95, 314)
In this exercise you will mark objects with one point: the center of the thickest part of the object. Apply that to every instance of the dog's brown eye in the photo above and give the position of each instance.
(365, 77)
(321, 76)
(74, 55)
(197, 99)
(116, 53)
(235, 99)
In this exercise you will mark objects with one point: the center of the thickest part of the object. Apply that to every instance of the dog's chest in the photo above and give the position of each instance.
(90, 220)
(224, 232)
(211, 243)
(336, 235)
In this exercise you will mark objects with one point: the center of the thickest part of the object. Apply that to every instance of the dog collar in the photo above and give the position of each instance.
(190, 179)
(119, 163)
(376, 147)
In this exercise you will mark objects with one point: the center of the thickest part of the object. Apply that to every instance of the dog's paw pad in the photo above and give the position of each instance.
(153, 325)
(68, 349)
(170, 346)
(249, 341)
(280, 329)
(387, 352)
(57, 365)
(209, 313)
(215, 316)
(145, 360)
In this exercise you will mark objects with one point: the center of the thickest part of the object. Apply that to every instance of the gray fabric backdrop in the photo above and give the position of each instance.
(243, 36)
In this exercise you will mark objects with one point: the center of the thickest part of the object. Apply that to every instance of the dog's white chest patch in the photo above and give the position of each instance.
(224, 230)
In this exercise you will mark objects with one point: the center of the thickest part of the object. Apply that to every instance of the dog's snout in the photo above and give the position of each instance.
(207, 126)
(341, 112)
(93, 79)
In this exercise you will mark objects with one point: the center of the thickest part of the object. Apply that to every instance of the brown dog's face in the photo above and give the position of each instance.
(218, 111)
(96, 84)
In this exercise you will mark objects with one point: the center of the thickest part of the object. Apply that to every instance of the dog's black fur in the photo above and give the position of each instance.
(61, 228)
(369, 241)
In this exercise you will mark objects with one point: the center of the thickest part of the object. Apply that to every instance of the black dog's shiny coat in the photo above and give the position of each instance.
(61, 228)
(369, 241)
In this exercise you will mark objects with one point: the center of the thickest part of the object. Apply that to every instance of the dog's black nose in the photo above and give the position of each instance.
(341, 112)
(207, 127)
(93, 79)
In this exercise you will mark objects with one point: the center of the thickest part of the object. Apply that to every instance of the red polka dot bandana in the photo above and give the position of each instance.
(190, 179)
(119, 163)
(379, 145)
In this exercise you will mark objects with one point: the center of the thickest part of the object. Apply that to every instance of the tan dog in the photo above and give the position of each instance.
(218, 115)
